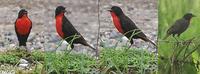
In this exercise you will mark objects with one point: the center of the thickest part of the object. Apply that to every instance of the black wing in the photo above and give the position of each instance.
(178, 27)
(129, 28)
(69, 32)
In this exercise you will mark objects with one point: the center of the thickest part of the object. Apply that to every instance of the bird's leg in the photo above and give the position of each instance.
(177, 42)
(72, 47)
(131, 41)
(172, 56)
(175, 38)
(23, 48)
(180, 38)
(130, 46)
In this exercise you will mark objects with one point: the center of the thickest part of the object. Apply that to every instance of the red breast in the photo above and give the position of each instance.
(59, 24)
(23, 25)
(116, 22)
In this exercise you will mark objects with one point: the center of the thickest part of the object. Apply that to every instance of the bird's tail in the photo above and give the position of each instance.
(86, 44)
(152, 43)
(146, 39)
(166, 37)
(91, 47)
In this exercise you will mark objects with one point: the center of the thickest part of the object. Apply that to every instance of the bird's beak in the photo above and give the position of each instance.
(110, 10)
(67, 12)
(193, 15)
(64, 10)
(25, 12)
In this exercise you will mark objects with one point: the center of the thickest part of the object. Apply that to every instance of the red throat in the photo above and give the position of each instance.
(23, 25)
(59, 19)
(116, 22)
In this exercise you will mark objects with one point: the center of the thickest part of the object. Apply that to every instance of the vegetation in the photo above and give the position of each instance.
(9, 61)
(110, 61)
(182, 56)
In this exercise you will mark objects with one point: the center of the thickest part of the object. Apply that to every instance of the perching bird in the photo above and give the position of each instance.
(179, 26)
(66, 30)
(126, 26)
(23, 27)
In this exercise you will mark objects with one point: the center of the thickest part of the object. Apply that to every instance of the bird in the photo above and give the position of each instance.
(23, 26)
(66, 30)
(126, 26)
(179, 26)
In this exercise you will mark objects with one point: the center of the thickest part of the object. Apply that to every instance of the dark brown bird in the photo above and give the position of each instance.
(66, 30)
(179, 26)
(126, 26)
(23, 27)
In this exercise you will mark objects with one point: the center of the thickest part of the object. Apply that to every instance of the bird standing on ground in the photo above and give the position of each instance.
(179, 26)
(66, 30)
(126, 26)
(23, 27)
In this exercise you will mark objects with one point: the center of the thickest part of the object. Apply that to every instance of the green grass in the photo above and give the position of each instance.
(13, 56)
(10, 60)
(130, 61)
(169, 11)
(111, 61)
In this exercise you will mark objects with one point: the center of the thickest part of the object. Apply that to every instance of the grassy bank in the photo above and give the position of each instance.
(110, 61)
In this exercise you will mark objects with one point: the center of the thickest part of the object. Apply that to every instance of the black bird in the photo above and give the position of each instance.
(126, 26)
(66, 30)
(179, 26)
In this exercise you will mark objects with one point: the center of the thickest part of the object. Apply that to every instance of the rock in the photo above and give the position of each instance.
(23, 66)
(12, 45)
(124, 39)
(23, 61)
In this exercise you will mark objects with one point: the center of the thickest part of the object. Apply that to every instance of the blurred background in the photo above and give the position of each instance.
(83, 15)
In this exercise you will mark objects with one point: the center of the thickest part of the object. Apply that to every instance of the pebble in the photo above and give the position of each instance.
(23, 66)
(23, 61)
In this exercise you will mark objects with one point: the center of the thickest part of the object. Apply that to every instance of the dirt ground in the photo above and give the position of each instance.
(83, 15)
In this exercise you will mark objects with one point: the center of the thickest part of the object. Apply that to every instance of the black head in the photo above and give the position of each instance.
(60, 9)
(22, 12)
(117, 10)
(188, 16)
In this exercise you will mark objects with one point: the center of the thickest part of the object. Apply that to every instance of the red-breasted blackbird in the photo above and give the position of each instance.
(66, 30)
(126, 26)
(23, 27)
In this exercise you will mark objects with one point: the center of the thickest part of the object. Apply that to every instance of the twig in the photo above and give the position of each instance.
(190, 41)
(98, 9)
(169, 41)
(191, 52)
(187, 44)
(178, 61)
